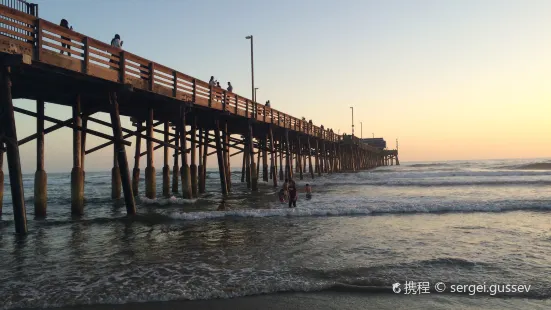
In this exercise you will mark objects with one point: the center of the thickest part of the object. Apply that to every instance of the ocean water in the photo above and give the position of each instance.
(460, 223)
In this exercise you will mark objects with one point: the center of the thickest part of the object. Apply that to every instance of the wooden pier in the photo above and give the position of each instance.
(195, 119)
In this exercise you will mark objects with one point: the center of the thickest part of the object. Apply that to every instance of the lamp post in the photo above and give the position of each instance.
(255, 89)
(361, 130)
(252, 68)
(352, 121)
(373, 135)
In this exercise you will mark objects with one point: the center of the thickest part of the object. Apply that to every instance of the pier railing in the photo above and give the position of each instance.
(58, 46)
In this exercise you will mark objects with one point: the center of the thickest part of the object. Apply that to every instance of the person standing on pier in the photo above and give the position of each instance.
(268, 104)
(116, 41)
(230, 88)
(65, 24)
(212, 82)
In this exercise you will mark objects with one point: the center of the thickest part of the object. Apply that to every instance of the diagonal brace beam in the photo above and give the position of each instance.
(56, 121)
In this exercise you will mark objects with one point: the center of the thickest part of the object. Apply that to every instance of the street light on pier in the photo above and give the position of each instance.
(361, 130)
(252, 68)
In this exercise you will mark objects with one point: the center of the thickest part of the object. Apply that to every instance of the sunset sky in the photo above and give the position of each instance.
(452, 80)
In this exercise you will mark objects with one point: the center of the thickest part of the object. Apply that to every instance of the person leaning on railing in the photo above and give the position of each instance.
(116, 42)
(65, 24)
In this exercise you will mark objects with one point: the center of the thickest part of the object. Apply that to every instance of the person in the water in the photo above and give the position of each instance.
(281, 195)
(286, 189)
(292, 193)
(308, 191)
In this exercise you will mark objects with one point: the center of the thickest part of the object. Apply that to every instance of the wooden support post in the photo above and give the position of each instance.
(244, 162)
(248, 161)
(265, 159)
(288, 159)
(254, 175)
(40, 177)
(115, 176)
(281, 176)
(220, 156)
(1, 175)
(205, 156)
(150, 180)
(318, 170)
(166, 166)
(200, 168)
(311, 170)
(77, 175)
(121, 156)
(258, 159)
(299, 159)
(193, 158)
(227, 155)
(7, 121)
(184, 173)
(83, 145)
(176, 168)
(304, 157)
(273, 158)
(323, 157)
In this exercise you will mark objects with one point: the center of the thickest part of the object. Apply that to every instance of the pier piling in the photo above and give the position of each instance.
(184, 171)
(150, 180)
(265, 159)
(273, 158)
(12, 152)
(226, 144)
(254, 175)
(136, 170)
(201, 168)
(77, 174)
(1, 175)
(176, 168)
(166, 167)
(115, 176)
(220, 156)
(40, 177)
(204, 161)
(124, 170)
(193, 158)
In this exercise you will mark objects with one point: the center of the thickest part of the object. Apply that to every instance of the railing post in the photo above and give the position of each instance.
(122, 66)
(174, 84)
(210, 95)
(38, 43)
(247, 107)
(236, 103)
(151, 75)
(224, 99)
(264, 112)
(193, 95)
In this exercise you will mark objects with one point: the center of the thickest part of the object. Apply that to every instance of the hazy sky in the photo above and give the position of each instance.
(467, 79)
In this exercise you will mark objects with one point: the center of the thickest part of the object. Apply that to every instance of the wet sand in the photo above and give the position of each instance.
(336, 300)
